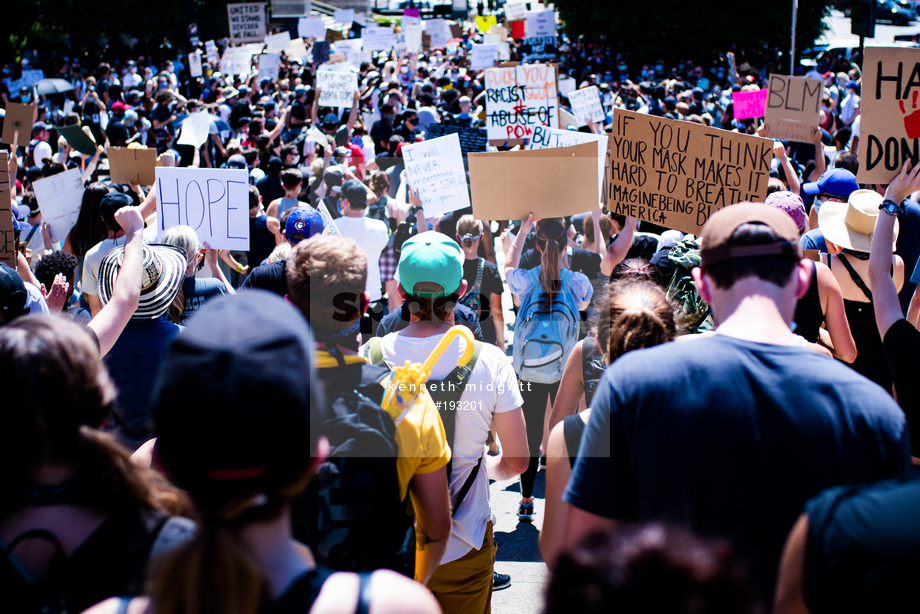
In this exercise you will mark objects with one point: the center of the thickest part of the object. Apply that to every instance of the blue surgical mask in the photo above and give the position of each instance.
(26, 99)
(658, 67)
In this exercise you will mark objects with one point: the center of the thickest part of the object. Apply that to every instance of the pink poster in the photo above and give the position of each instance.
(412, 13)
(749, 104)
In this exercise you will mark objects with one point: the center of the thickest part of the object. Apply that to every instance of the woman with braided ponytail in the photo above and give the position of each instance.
(635, 315)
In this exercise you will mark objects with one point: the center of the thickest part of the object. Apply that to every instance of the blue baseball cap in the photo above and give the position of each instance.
(431, 257)
(836, 182)
(305, 221)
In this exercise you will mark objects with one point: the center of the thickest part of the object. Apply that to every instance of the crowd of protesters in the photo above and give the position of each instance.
(726, 421)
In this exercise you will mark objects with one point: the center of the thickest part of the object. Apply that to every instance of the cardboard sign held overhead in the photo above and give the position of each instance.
(214, 202)
(519, 98)
(311, 27)
(247, 22)
(7, 238)
(549, 138)
(748, 105)
(18, 117)
(889, 131)
(586, 105)
(793, 107)
(78, 139)
(60, 198)
(132, 165)
(508, 185)
(337, 88)
(276, 43)
(676, 173)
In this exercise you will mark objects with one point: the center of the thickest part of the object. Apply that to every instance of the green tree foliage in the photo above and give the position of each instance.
(693, 30)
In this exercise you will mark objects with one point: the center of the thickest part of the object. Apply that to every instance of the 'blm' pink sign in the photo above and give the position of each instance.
(749, 104)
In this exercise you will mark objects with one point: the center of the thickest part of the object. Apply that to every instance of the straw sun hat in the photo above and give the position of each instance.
(850, 225)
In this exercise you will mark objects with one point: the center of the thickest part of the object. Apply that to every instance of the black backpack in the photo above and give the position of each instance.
(445, 398)
(111, 562)
(351, 516)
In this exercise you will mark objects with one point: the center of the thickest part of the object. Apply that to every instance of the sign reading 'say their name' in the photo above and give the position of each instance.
(676, 174)
(214, 202)
(889, 131)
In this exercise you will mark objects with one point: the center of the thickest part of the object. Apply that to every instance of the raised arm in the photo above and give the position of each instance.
(820, 163)
(514, 257)
(617, 251)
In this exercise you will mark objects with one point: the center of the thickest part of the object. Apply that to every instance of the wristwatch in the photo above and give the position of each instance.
(891, 208)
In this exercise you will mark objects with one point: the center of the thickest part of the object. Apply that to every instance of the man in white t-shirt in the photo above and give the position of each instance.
(372, 235)
(39, 147)
(431, 266)
(89, 280)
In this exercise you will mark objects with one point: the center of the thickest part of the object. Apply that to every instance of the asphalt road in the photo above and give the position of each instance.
(838, 31)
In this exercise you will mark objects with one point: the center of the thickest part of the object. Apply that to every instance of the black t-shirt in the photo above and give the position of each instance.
(862, 549)
(268, 277)
(644, 246)
(270, 188)
(117, 133)
(902, 348)
(731, 438)
(491, 284)
(399, 319)
(581, 261)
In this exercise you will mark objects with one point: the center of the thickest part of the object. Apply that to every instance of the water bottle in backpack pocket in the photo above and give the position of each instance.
(544, 337)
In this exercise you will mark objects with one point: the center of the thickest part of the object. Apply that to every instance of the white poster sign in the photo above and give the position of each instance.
(297, 49)
(519, 98)
(337, 88)
(413, 37)
(542, 23)
(195, 129)
(247, 22)
(344, 16)
(276, 43)
(439, 32)
(586, 105)
(269, 66)
(435, 169)
(211, 49)
(194, 64)
(377, 39)
(236, 60)
(311, 27)
(59, 199)
(214, 202)
(515, 11)
(483, 56)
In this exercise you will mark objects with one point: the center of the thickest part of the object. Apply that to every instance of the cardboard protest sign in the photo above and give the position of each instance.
(7, 237)
(215, 202)
(194, 64)
(515, 11)
(19, 117)
(321, 51)
(311, 27)
(59, 198)
(889, 131)
(548, 138)
(538, 49)
(276, 43)
(337, 58)
(337, 88)
(131, 165)
(748, 105)
(247, 22)
(542, 23)
(297, 49)
(78, 139)
(344, 16)
(195, 129)
(519, 98)
(413, 37)
(793, 107)
(484, 23)
(508, 185)
(377, 39)
(483, 56)
(455, 30)
(236, 60)
(269, 66)
(501, 31)
(211, 50)
(676, 173)
(435, 168)
(439, 32)
(586, 105)
(399, 43)
(333, 36)
(471, 139)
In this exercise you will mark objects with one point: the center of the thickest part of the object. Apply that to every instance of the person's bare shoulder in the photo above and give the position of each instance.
(138, 605)
(391, 593)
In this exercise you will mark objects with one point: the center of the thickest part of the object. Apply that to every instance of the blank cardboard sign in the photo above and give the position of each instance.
(137, 166)
(676, 174)
(793, 107)
(889, 131)
(18, 117)
(508, 185)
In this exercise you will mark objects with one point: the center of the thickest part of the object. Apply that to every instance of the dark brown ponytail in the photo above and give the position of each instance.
(640, 317)
(552, 240)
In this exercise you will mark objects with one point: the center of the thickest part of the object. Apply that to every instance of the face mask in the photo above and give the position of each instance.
(608, 78)
(644, 73)
(132, 69)
(681, 66)
(404, 70)
(295, 159)
(624, 68)
(162, 86)
(659, 67)
(26, 99)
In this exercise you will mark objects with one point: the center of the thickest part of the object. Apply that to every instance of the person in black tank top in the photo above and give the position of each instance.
(264, 231)
(808, 313)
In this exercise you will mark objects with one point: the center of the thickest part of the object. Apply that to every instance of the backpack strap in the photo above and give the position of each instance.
(467, 485)
(375, 351)
(855, 276)
(364, 593)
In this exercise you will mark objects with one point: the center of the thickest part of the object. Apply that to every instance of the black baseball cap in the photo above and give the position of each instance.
(354, 191)
(13, 294)
(237, 397)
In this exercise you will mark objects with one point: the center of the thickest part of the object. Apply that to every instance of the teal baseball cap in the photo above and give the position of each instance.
(431, 257)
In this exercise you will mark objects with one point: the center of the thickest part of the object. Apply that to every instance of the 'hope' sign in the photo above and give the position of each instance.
(214, 202)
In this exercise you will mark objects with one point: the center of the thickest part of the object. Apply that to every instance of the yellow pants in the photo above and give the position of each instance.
(464, 586)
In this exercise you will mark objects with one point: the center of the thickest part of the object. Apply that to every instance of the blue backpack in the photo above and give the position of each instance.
(544, 338)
